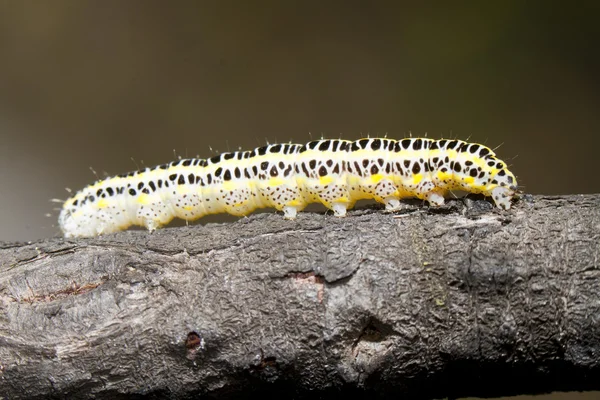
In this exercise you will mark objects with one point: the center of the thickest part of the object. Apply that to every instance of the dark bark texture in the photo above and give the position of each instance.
(463, 300)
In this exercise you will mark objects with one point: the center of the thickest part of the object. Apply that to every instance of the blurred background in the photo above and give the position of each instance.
(99, 83)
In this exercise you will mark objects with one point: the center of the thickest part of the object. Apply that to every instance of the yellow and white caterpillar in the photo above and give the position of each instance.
(288, 177)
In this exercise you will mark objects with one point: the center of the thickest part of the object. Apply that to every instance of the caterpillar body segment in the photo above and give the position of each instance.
(322, 177)
(288, 177)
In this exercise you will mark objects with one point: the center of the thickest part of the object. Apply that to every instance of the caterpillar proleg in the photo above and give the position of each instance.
(288, 177)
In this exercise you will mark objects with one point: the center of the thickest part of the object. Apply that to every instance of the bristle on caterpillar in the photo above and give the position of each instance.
(288, 177)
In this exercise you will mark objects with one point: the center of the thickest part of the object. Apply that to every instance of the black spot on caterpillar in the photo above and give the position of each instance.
(336, 173)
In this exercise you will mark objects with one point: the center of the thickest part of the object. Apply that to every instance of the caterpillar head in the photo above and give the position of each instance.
(502, 188)
(69, 224)
(80, 217)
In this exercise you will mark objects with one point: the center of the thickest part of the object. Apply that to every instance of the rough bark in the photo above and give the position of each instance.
(464, 300)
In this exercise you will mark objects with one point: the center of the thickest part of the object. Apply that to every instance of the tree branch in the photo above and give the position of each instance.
(463, 300)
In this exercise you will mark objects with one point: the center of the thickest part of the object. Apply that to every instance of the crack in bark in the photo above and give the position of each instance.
(74, 290)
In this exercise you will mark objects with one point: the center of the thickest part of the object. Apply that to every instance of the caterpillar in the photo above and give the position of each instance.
(288, 177)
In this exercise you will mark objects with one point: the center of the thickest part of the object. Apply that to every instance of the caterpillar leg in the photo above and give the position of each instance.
(427, 190)
(290, 212)
(502, 196)
(392, 204)
(435, 198)
(339, 209)
(152, 224)
(153, 215)
(386, 192)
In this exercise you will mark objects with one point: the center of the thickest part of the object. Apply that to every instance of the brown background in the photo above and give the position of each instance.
(95, 83)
